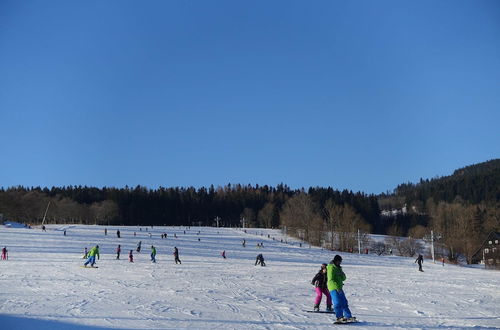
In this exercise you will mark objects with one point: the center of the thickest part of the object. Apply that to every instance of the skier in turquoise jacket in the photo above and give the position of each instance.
(336, 278)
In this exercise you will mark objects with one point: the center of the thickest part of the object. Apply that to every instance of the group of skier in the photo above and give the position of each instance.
(329, 281)
(94, 252)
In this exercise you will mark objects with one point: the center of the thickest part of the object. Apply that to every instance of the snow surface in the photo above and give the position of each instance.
(42, 285)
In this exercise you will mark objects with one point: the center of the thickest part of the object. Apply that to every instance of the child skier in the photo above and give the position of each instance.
(5, 255)
(320, 281)
(336, 278)
(118, 251)
(130, 256)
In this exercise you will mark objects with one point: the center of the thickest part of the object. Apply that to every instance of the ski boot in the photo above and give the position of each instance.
(316, 308)
(340, 320)
(329, 308)
(351, 320)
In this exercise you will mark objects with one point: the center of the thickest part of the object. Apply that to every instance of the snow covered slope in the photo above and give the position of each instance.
(42, 285)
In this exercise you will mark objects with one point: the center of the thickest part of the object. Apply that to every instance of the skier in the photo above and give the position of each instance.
(420, 259)
(260, 260)
(243, 243)
(85, 253)
(130, 256)
(223, 254)
(153, 254)
(92, 254)
(118, 233)
(118, 250)
(336, 278)
(320, 281)
(5, 253)
(105, 231)
(139, 246)
(176, 255)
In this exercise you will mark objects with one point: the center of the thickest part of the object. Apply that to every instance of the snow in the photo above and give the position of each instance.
(42, 285)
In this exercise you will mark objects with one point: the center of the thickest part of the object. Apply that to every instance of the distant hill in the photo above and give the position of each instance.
(472, 184)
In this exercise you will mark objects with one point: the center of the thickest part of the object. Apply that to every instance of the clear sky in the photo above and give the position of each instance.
(359, 95)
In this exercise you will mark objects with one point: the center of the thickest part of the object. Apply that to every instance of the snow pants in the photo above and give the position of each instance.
(340, 305)
(90, 260)
(319, 294)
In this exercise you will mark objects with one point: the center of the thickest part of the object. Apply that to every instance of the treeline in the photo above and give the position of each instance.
(461, 209)
(303, 213)
(472, 184)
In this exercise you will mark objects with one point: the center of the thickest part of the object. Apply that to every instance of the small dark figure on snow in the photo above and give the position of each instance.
(320, 281)
(139, 246)
(131, 256)
(5, 253)
(223, 254)
(419, 260)
(118, 233)
(260, 260)
(176, 255)
(118, 251)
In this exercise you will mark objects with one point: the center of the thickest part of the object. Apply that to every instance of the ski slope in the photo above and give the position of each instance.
(42, 285)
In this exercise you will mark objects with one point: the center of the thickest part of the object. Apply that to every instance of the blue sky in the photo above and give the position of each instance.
(359, 95)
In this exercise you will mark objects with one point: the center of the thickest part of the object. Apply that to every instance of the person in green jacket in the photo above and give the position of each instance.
(336, 278)
(91, 256)
(153, 254)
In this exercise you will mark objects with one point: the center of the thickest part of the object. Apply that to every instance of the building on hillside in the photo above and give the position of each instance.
(394, 212)
(489, 252)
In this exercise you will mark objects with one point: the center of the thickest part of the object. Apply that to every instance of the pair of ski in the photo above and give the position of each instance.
(353, 320)
(89, 267)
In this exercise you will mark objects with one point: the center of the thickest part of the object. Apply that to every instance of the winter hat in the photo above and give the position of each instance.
(337, 258)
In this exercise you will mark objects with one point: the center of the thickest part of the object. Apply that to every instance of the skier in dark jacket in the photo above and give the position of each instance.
(320, 281)
(176, 255)
(260, 260)
(420, 259)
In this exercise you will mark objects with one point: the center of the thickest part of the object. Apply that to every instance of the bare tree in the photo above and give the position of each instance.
(249, 216)
(299, 213)
(266, 215)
